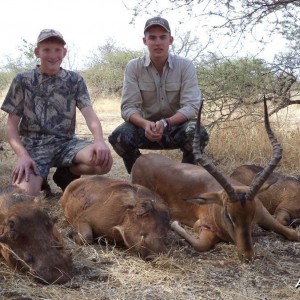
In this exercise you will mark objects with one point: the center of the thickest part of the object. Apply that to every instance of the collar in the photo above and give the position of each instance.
(170, 60)
(59, 74)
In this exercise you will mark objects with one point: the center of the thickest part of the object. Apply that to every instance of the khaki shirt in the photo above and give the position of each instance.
(155, 97)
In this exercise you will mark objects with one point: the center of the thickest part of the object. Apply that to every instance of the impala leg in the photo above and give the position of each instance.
(205, 241)
(267, 221)
(282, 216)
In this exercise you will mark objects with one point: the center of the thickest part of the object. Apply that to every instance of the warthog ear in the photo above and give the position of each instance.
(2, 218)
(144, 208)
(1, 232)
(2, 226)
(40, 200)
(140, 207)
(7, 232)
(3, 238)
(206, 198)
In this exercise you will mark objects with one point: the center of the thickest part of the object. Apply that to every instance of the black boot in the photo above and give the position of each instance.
(188, 158)
(63, 176)
(130, 160)
(46, 187)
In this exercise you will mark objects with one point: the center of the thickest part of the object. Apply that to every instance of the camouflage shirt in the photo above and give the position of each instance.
(46, 104)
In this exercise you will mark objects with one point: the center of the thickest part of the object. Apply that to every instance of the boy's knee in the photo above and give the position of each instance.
(118, 140)
(123, 142)
(103, 170)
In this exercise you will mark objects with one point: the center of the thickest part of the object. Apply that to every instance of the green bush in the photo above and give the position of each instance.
(106, 72)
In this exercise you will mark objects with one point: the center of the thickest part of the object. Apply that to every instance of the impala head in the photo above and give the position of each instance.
(238, 205)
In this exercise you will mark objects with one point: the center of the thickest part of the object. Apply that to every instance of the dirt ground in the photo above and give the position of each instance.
(104, 271)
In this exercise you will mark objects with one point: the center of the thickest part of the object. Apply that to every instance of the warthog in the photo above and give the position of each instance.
(29, 240)
(124, 213)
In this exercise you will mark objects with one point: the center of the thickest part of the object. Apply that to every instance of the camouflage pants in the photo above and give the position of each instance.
(127, 139)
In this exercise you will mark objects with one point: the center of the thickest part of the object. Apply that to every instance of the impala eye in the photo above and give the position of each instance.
(227, 216)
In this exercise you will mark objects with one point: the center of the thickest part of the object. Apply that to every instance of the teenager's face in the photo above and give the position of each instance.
(158, 40)
(51, 53)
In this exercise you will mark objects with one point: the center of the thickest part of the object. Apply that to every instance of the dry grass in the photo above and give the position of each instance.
(103, 271)
(244, 142)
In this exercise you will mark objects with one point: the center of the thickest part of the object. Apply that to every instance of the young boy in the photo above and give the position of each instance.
(41, 106)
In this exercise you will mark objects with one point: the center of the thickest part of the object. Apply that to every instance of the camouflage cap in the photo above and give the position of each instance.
(50, 33)
(157, 21)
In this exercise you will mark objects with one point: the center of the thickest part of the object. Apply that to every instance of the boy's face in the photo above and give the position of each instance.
(51, 53)
(158, 40)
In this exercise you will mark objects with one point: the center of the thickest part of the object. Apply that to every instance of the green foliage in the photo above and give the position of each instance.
(26, 59)
(105, 75)
(5, 79)
(239, 79)
(27, 49)
(229, 85)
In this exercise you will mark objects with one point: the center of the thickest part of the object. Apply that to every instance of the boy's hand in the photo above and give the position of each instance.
(24, 167)
(152, 132)
(101, 155)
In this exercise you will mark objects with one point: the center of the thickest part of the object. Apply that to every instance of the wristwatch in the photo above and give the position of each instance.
(164, 122)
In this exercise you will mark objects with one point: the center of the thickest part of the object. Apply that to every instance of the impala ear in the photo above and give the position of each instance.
(265, 186)
(244, 189)
(206, 198)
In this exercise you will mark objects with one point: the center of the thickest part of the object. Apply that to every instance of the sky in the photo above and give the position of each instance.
(87, 24)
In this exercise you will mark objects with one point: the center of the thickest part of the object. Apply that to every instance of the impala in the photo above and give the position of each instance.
(218, 207)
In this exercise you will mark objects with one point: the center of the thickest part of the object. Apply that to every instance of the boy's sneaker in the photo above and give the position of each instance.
(63, 176)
